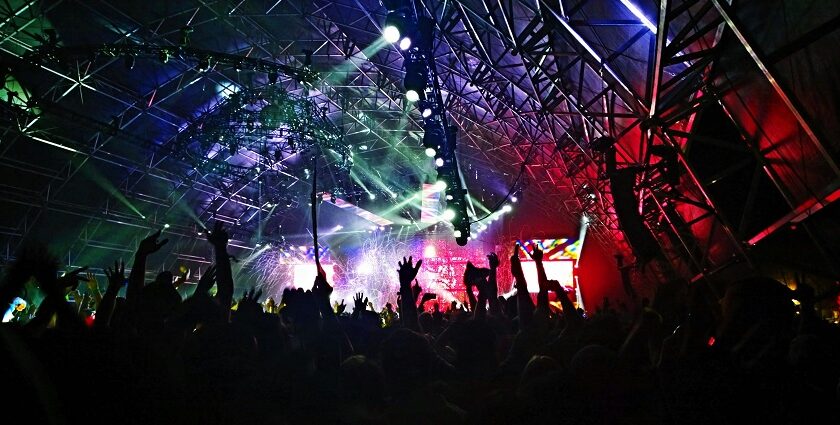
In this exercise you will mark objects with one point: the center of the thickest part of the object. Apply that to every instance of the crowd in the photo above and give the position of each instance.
(686, 356)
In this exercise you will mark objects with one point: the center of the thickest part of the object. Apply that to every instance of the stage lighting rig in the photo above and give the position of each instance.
(414, 36)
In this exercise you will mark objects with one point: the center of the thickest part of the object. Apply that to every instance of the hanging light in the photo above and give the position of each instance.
(405, 43)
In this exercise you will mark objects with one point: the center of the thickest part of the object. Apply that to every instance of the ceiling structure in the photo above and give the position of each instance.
(533, 86)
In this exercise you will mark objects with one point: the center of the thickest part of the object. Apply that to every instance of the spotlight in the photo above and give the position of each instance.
(426, 112)
(405, 43)
(440, 185)
(166, 226)
(371, 196)
(514, 199)
(431, 152)
(391, 34)
(462, 237)
(416, 77)
(507, 208)
(449, 215)
(439, 162)
(395, 26)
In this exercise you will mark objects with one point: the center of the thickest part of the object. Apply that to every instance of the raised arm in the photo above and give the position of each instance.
(542, 296)
(224, 275)
(524, 304)
(116, 278)
(493, 286)
(407, 272)
(136, 280)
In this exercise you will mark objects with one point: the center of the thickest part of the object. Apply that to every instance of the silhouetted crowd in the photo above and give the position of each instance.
(756, 354)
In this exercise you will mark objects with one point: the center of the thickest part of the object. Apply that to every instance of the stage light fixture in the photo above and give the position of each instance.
(439, 162)
(448, 214)
(507, 208)
(391, 33)
(371, 196)
(405, 43)
(431, 152)
(416, 77)
(426, 112)
(394, 27)
(440, 185)
(166, 226)
(514, 199)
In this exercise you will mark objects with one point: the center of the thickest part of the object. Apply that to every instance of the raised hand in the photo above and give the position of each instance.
(341, 307)
(71, 279)
(116, 276)
(359, 302)
(428, 296)
(182, 278)
(416, 290)
(493, 260)
(207, 280)
(249, 307)
(92, 283)
(321, 287)
(219, 236)
(516, 265)
(150, 245)
(537, 254)
(408, 270)
(554, 285)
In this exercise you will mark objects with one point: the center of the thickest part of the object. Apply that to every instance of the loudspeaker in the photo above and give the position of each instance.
(638, 235)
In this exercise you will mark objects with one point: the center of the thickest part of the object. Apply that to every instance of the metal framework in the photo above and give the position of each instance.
(523, 79)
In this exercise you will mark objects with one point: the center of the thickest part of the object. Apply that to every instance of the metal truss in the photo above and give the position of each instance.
(531, 82)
